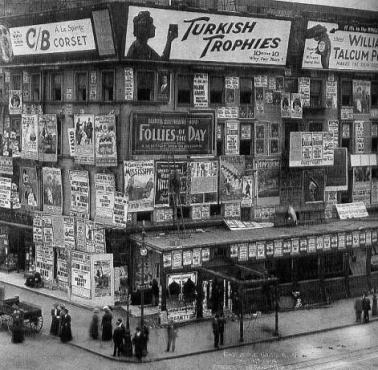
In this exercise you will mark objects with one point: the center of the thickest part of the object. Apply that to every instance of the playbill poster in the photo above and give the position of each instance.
(52, 190)
(203, 181)
(84, 148)
(105, 189)
(47, 138)
(231, 174)
(29, 134)
(79, 181)
(139, 185)
(106, 145)
(29, 188)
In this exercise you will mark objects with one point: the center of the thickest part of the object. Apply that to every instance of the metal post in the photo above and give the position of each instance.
(128, 311)
(276, 333)
(241, 303)
(143, 252)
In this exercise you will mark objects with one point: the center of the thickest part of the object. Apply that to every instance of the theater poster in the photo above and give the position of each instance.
(29, 129)
(79, 181)
(139, 185)
(105, 193)
(106, 145)
(29, 188)
(268, 181)
(361, 95)
(84, 148)
(203, 181)
(52, 190)
(231, 178)
(102, 275)
(47, 138)
(11, 143)
(15, 102)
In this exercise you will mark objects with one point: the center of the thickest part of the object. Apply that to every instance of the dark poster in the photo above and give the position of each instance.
(230, 180)
(337, 175)
(313, 185)
(176, 133)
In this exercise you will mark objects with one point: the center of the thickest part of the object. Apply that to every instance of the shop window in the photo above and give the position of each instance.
(184, 89)
(346, 141)
(245, 139)
(315, 93)
(145, 85)
(56, 86)
(108, 85)
(216, 90)
(346, 93)
(15, 83)
(246, 91)
(35, 81)
(81, 85)
(374, 94)
(333, 265)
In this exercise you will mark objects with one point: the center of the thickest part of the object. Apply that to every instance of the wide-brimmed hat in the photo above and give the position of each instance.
(119, 321)
(96, 310)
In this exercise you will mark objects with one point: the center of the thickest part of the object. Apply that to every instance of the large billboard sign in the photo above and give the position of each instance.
(161, 34)
(328, 47)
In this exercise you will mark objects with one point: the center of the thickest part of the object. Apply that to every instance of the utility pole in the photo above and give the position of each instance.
(143, 253)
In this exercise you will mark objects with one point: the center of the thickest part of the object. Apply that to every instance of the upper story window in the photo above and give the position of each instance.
(108, 85)
(315, 93)
(216, 89)
(145, 85)
(16, 82)
(35, 87)
(56, 86)
(184, 89)
(81, 84)
(346, 92)
(374, 94)
(246, 92)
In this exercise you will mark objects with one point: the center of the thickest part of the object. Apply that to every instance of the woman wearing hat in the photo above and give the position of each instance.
(66, 333)
(55, 316)
(17, 325)
(106, 324)
(93, 329)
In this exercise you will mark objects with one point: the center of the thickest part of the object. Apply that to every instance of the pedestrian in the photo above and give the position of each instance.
(138, 342)
(221, 323)
(55, 317)
(128, 345)
(374, 311)
(66, 333)
(118, 336)
(93, 329)
(17, 325)
(146, 336)
(172, 335)
(155, 292)
(366, 307)
(215, 325)
(358, 308)
(106, 324)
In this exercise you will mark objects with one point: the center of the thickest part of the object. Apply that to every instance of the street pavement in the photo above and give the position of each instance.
(195, 338)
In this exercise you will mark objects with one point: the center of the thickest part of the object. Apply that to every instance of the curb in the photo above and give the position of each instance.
(244, 344)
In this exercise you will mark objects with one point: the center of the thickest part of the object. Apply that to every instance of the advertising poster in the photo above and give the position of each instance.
(105, 136)
(167, 260)
(285, 105)
(260, 139)
(29, 134)
(245, 132)
(203, 181)
(313, 185)
(304, 90)
(29, 188)
(205, 254)
(81, 244)
(139, 185)
(129, 84)
(230, 180)
(79, 182)
(44, 262)
(90, 229)
(187, 257)
(333, 128)
(337, 175)
(71, 141)
(234, 250)
(260, 250)
(361, 96)
(81, 274)
(11, 143)
(232, 138)
(177, 133)
(181, 35)
(5, 192)
(196, 261)
(330, 203)
(227, 112)
(164, 86)
(296, 106)
(120, 210)
(360, 136)
(201, 90)
(331, 94)
(105, 189)
(69, 232)
(84, 148)
(166, 175)
(252, 250)
(268, 181)
(61, 268)
(232, 210)
(177, 259)
(247, 191)
(200, 212)
(52, 190)
(361, 185)
(329, 46)
(6, 165)
(47, 138)
(259, 99)
(15, 102)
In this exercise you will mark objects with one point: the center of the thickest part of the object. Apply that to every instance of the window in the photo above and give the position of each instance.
(220, 141)
(35, 88)
(56, 86)
(315, 93)
(346, 93)
(291, 85)
(245, 139)
(145, 85)
(81, 86)
(216, 90)
(315, 126)
(246, 92)
(346, 141)
(59, 125)
(108, 85)
(184, 89)
(374, 94)
(15, 83)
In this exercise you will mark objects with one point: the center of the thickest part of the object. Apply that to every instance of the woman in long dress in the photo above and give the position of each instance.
(93, 330)
(66, 333)
(17, 326)
(55, 316)
(106, 323)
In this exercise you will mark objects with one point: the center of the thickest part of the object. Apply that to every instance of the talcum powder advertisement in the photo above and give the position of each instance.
(178, 133)
(181, 35)
(330, 47)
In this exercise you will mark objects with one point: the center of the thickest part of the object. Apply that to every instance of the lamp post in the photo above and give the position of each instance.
(143, 253)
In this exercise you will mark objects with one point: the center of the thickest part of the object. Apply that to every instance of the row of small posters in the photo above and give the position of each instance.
(72, 232)
(92, 141)
(275, 248)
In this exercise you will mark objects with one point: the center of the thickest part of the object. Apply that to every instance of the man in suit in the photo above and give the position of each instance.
(366, 307)
(118, 335)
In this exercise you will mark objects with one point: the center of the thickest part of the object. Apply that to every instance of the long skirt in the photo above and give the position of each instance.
(54, 329)
(107, 332)
(18, 334)
(66, 334)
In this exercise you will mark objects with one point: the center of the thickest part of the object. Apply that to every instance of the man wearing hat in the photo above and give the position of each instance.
(118, 338)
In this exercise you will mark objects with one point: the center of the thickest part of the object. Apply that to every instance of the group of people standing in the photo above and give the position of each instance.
(61, 323)
(362, 305)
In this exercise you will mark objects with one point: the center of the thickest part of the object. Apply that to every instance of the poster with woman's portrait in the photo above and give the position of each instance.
(285, 105)
(47, 138)
(15, 102)
(296, 106)
(361, 96)
(29, 188)
(52, 190)
(102, 271)
(29, 130)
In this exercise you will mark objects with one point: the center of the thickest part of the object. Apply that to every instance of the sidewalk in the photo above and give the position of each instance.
(197, 337)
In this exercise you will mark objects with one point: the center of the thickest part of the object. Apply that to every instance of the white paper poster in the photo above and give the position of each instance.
(29, 127)
(79, 181)
(105, 188)
(201, 90)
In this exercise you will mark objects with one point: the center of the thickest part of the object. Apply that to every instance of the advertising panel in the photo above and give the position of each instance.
(268, 181)
(84, 148)
(29, 134)
(232, 133)
(81, 274)
(5, 192)
(79, 182)
(47, 138)
(29, 188)
(337, 175)
(178, 133)
(181, 35)
(103, 275)
(201, 90)
(105, 188)
(129, 84)
(361, 94)
(52, 190)
(15, 102)
(203, 181)
(11, 143)
(230, 181)
(329, 47)
(106, 145)
(120, 210)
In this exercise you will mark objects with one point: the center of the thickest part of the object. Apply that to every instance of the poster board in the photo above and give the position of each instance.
(102, 278)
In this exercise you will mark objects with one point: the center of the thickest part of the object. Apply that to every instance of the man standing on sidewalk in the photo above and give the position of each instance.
(366, 307)
(172, 334)
(221, 324)
(215, 325)
(358, 308)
